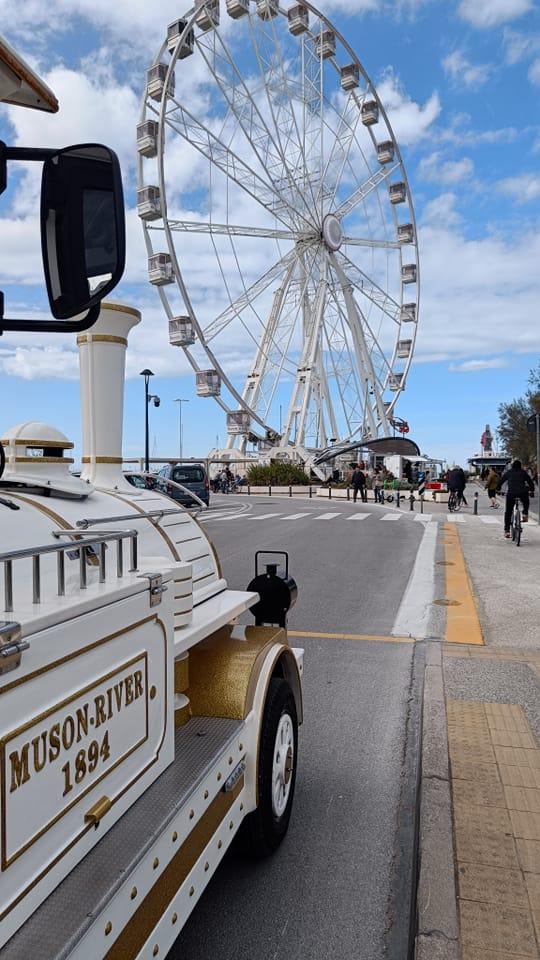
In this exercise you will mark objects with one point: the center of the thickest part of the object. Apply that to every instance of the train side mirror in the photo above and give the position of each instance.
(82, 227)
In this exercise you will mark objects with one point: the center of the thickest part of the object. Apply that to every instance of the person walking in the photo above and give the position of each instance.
(359, 484)
(518, 487)
(492, 484)
(377, 486)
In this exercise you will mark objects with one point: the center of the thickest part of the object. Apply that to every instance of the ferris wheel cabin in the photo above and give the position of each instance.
(385, 151)
(408, 313)
(298, 17)
(208, 383)
(409, 273)
(147, 138)
(160, 269)
(325, 44)
(207, 14)
(395, 382)
(404, 349)
(350, 77)
(237, 8)
(238, 423)
(174, 32)
(405, 233)
(267, 9)
(370, 113)
(398, 193)
(156, 77)
(149, 203)
(181, 332)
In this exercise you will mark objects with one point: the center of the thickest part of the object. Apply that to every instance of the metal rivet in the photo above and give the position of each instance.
(241, 746)
(231, 825)
(108, 928)
(220, 844)
(241, 806)
(155, 951)
(206, 794)
(155, 863)
(230, 760)
(191, 891)
(153, 692)
(191, 814)
(174, 917)
(206, 866)
(174, 837)
(133, 893)
(219, 776)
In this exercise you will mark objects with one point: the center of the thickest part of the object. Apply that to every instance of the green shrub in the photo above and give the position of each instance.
(277, 474)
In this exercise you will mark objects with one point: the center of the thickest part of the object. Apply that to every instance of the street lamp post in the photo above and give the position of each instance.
(180, 402)
(156, 401)
(533, 426)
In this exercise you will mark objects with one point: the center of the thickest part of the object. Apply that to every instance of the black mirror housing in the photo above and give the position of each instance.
(82, 227)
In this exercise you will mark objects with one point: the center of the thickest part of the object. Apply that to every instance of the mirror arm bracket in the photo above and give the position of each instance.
(49, 326)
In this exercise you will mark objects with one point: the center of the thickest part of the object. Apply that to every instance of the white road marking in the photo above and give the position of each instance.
(452, 518)
(327, 516)
(414, 612)
(266, 516)
(392, 516)
(296, 516)
(490, 520)
(423, 517)
(359, 516)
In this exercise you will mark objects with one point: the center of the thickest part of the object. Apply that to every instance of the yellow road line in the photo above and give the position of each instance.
(462, 622)
(347, 636)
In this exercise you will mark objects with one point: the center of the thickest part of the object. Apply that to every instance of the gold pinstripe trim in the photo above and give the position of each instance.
(100, 338)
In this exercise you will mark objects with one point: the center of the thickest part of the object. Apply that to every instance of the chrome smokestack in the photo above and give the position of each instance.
(102, 361)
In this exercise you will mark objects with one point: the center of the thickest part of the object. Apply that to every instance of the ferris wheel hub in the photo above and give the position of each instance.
(332, 232)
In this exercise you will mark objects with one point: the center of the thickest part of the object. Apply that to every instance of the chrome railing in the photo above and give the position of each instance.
(97, 542)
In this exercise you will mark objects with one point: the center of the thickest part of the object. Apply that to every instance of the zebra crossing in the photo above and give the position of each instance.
(312, 515)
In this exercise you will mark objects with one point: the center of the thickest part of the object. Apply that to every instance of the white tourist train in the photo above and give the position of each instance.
(140, 728)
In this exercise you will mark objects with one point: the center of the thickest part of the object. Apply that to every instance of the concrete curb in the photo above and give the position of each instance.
(437, 936)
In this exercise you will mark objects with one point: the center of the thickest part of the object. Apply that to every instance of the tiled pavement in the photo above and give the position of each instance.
(495, 776)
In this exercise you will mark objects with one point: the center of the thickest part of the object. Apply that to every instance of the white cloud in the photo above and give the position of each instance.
(475, 366)
(523, 188)
(518, 46)
(411, 121)
(492, 13)
(445, 172)
(463, 72)
(534, 72)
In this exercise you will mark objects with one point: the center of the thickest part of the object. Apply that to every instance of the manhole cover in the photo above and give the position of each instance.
(447, 603)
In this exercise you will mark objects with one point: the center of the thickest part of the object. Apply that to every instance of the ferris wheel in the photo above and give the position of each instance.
(279, 224)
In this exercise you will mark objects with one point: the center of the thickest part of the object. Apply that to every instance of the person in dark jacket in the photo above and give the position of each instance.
(456, 483)
(518, 486)
(359, 484)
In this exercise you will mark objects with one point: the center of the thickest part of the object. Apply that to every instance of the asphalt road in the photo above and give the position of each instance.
(332, 890)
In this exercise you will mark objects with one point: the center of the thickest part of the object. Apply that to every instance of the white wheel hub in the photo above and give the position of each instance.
(332, 232)
(283, 765)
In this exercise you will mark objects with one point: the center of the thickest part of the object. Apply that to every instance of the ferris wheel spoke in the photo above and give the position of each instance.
(302, 390)
(344, 137)
(370, 242)
(368, 288)
(361, 349)
(243, 107)
(270, 61)
(248, 296)
(227, 229)
(364, 190)
(223, 158)
(343, 365)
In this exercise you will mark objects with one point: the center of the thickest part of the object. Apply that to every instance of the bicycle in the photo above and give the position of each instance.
(516, 524)
(455, 502)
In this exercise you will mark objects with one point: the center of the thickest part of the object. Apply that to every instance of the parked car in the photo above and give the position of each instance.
(193, 476)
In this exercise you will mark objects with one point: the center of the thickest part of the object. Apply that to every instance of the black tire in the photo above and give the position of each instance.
(518, 533)
(262, 830)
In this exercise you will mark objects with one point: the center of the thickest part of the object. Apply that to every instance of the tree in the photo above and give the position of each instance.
(515, 437)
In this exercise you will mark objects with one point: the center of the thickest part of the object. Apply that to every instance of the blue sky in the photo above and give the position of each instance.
(461, 82)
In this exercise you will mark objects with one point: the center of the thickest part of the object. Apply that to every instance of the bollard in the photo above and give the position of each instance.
(348, 493)
(329, 493)
(422, 504)
(475, 508)
(249, 490)
(398, 499)
(310, 492)
(269, 490)
(411, 499)
(290, 491)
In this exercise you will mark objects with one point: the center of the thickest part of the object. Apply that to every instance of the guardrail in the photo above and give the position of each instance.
(97, 542)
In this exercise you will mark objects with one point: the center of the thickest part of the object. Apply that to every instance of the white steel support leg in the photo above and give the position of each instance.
(304, 378)
(362, 352)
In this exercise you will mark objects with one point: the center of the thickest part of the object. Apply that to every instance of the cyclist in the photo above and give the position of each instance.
(456, 484)
(518, 486)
